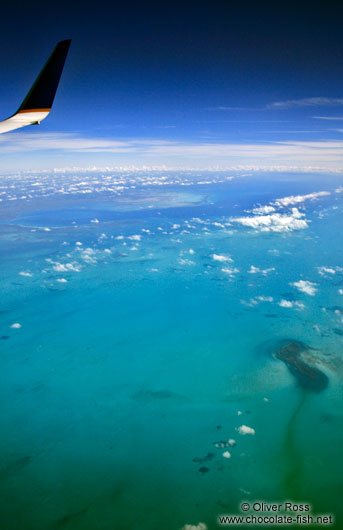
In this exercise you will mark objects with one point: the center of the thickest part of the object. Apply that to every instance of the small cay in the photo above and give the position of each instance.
(309, 377)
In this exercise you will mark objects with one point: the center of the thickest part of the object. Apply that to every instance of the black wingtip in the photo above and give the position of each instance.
(42, 93)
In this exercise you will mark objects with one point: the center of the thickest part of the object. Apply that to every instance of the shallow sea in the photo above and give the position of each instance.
(146, 324)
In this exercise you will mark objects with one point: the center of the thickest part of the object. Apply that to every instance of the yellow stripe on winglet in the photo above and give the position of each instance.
(33, 110)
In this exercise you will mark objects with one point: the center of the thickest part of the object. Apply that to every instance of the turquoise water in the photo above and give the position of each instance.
(143, 318)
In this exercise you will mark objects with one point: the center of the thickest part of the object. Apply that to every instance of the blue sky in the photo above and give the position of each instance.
(175, 85)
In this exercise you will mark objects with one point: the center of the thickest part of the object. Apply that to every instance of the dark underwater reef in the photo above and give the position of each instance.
(308, 376)
(297, 357)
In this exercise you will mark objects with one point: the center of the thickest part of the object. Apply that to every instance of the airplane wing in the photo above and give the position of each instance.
(38, 102)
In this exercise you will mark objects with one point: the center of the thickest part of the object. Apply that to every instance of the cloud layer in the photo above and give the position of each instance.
(275, 156)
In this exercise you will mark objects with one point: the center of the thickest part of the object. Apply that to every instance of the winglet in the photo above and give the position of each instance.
(42, 93)
(38, 102)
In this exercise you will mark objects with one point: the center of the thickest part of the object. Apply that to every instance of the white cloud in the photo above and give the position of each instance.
(306, 102)
(183, 261)
(62, 141)
(88, 255)
(263, 210)
(230, 271)
(221, 258)
(335, 118)
(16, 325)
(227, 454)
(65, 267)
(275, 222)
(256, 270)
(251, 302)
(27, 274)
(295, 199)
(257, 300)
(225, 107)
(305, 286)
(326, 270)
(61, 280)
(290, 304)
(244, 429)
(264, 298)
